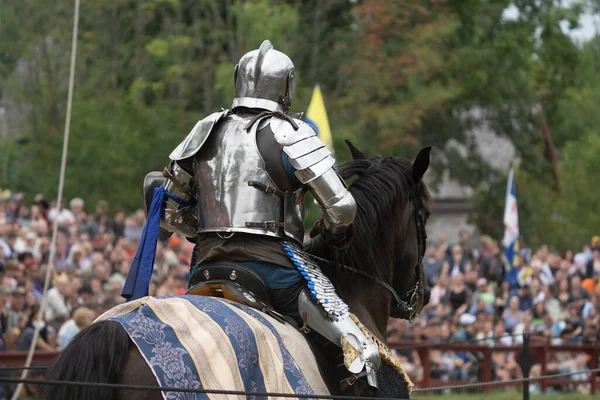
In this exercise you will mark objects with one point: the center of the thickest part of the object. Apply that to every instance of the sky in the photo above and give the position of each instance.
(590, 24)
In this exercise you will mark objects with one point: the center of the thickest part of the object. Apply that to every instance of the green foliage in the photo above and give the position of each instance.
(569, 217)
(113, 145)
(396, 75)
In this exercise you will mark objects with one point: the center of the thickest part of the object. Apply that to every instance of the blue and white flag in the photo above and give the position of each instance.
(511, 231)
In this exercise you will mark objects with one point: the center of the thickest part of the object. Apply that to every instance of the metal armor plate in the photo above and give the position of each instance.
(227, 203)
(152, 180)
(306, 152)
(175, 218)
(197, 137)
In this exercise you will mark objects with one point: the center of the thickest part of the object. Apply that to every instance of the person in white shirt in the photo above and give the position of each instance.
(62, 216)
(58, 306)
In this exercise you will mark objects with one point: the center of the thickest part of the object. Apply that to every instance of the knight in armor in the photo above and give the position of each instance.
(236, 184)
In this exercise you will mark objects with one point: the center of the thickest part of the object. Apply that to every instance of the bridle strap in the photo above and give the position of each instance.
(399, 302)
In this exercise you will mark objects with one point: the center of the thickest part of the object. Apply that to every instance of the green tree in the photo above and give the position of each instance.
(567, 218)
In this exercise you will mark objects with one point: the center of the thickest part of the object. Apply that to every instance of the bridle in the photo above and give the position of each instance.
(407, 303)
(410, 299)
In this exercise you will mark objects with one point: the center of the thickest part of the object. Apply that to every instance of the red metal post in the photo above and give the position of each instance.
(544, 372)
(487, 366)
(424, 355)
(594, 364)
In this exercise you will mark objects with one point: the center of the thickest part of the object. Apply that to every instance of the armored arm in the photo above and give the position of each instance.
(180, 218)
(313, 163)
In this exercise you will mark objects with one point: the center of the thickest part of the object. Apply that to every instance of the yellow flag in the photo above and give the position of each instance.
(317, 117)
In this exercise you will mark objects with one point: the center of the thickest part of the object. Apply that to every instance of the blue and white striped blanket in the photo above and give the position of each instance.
(211, 343)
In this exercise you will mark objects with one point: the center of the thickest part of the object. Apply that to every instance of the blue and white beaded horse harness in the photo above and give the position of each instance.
(322, 289)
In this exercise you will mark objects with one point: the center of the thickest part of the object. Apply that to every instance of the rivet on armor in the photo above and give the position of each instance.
(206, 274)
(233, 275)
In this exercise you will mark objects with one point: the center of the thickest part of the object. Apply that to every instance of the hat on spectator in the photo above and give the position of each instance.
(595, 241)
(467, 319)
(62, 278)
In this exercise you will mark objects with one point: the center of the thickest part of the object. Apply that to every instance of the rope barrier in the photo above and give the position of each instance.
(61, 184)
(292, 395)
(511, 381)
(191, 390)
(24, 368)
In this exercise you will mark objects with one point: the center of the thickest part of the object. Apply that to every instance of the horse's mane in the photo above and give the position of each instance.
(382, 184)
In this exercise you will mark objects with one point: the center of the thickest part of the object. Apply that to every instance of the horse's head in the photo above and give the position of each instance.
(393, 205)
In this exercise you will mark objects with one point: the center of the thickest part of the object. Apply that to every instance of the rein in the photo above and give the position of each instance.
(403, 305)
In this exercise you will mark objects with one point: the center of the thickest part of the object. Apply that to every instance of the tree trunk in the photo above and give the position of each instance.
(550, 152)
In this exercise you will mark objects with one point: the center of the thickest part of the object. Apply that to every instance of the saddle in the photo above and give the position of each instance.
(235, 282)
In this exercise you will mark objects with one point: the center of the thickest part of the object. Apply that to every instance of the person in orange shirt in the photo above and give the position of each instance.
(589, 284)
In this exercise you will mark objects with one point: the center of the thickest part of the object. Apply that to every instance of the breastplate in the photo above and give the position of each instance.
(235, 193)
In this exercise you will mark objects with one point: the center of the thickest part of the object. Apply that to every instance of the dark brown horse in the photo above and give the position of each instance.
(379, 276)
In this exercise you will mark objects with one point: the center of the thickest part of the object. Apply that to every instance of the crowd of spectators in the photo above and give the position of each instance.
(94, 249)
(556, 300)
(557, 297)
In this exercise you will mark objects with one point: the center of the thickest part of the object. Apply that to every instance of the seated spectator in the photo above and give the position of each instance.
(523, 327)
(58, 307)
(82, 317)
(460, 295)
(440, 291)
(481, 307)
(47, 335)
(593, 265)
(457, 264)
(512, 315)
(525, 299)
(433, 265)
(577, 292)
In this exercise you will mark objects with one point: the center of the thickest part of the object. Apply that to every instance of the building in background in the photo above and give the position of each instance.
(452, 205)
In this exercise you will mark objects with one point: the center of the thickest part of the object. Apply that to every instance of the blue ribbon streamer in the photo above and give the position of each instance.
(140, 273)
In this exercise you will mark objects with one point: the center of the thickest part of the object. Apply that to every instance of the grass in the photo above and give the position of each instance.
(500, 396)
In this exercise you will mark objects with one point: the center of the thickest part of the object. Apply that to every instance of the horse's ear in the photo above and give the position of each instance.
(356, 153)
(421, 164)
